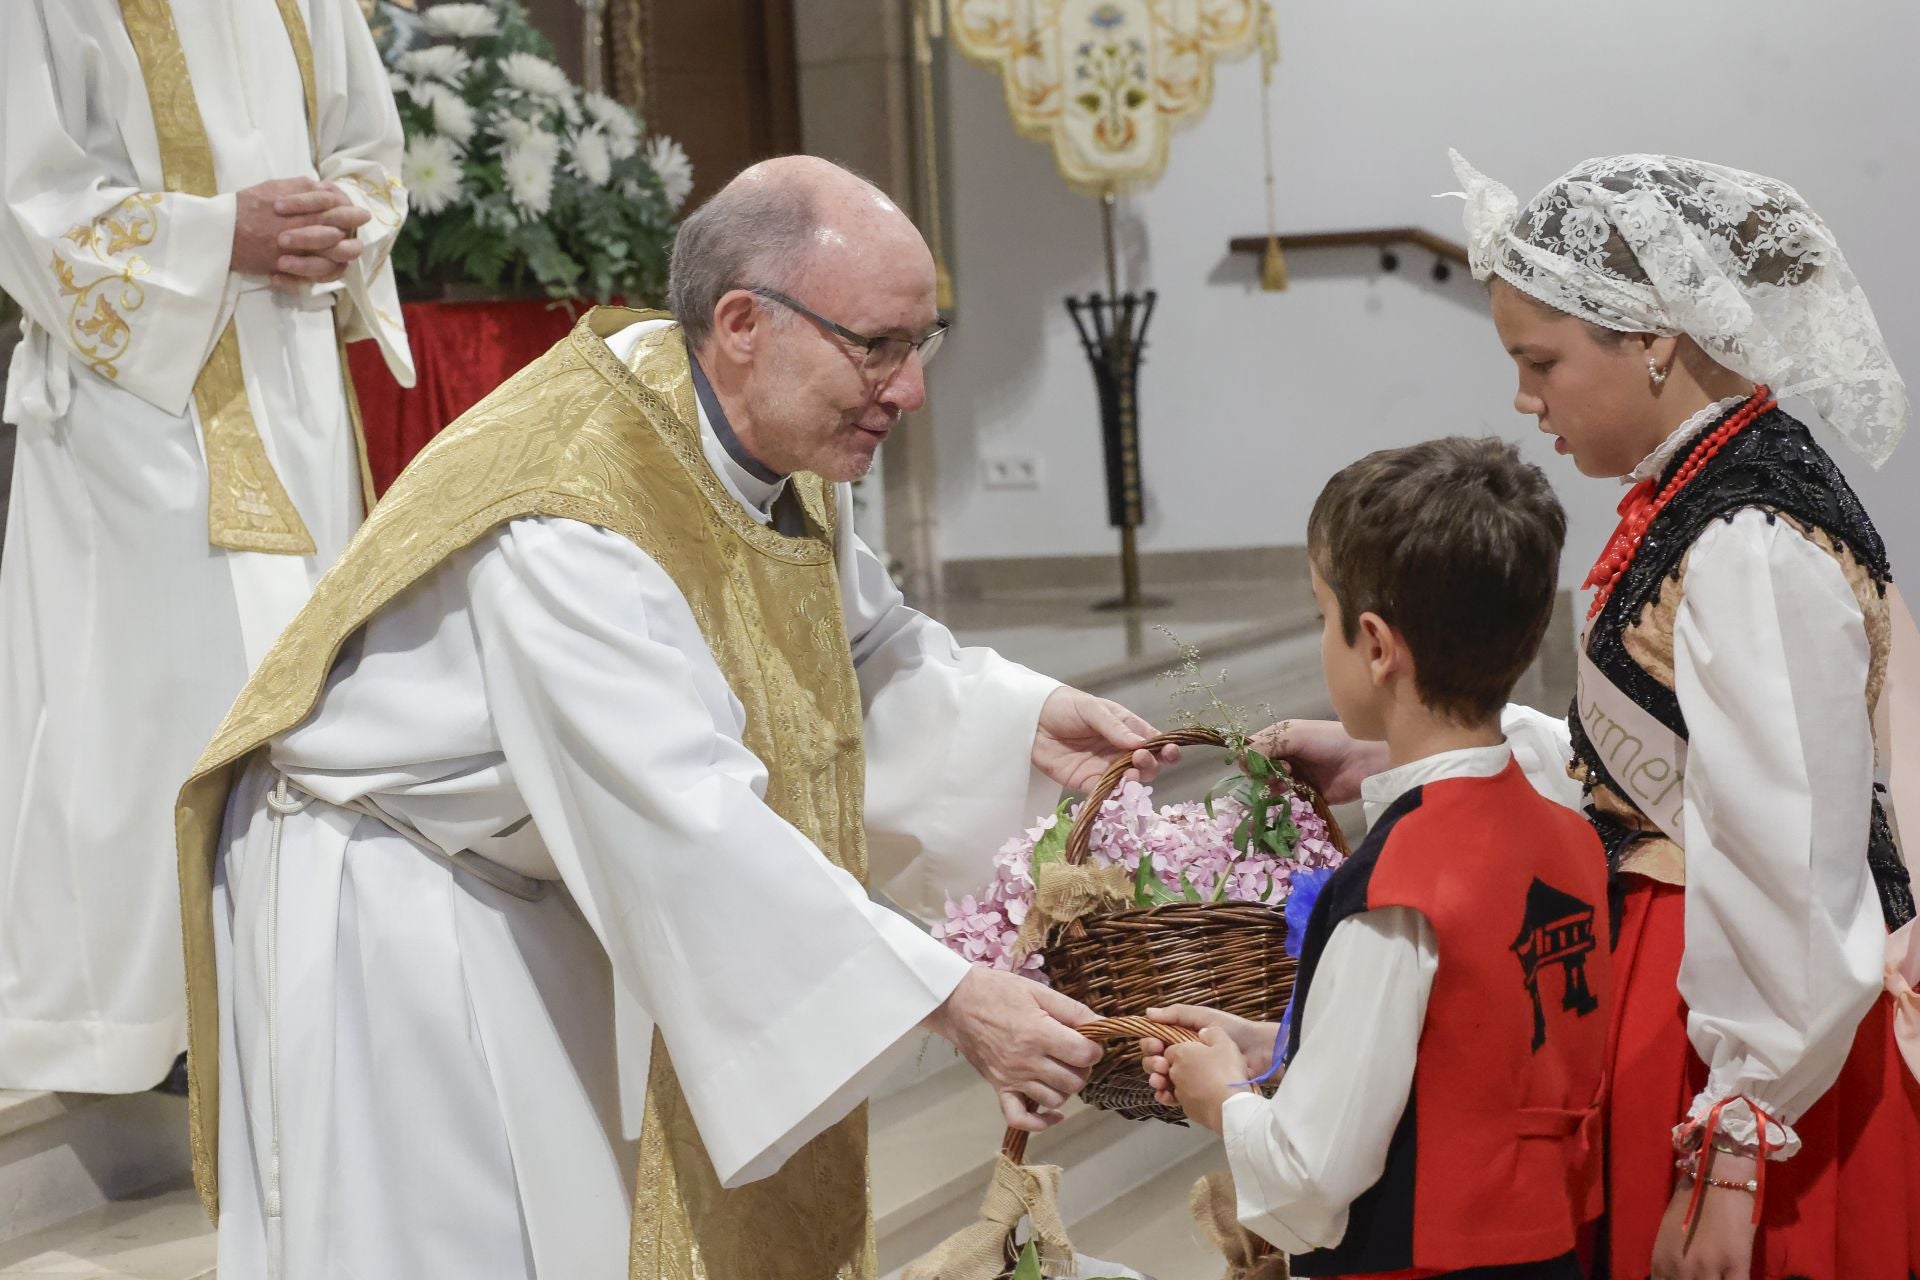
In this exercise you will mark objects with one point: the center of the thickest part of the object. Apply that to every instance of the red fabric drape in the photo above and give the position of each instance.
(461, 351)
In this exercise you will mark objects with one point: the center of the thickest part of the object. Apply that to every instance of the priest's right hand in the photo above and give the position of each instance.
(1019, 1036)
(1322, 752)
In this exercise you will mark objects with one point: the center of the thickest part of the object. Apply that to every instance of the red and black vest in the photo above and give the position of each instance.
(1495, 1165)
(1774, 465)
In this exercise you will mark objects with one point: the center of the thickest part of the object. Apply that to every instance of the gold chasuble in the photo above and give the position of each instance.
(579, 435)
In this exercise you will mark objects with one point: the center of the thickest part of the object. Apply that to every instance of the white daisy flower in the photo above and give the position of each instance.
(591, 159)
(518, 133)
(451, 115)
(620, 125)
(538, 78)
(460, 21)
(430, 170)
(669, 160)
(529, 174)
(442, 62)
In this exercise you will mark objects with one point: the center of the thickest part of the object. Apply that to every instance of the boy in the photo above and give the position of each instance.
(1440, 1107)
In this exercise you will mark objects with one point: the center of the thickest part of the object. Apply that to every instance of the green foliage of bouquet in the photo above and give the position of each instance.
(517, 180)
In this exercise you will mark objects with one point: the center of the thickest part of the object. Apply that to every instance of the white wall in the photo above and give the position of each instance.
(1249, 400)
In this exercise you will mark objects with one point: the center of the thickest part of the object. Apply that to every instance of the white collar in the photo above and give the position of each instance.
(1656, 462)
(1382, 789)
(751, 492)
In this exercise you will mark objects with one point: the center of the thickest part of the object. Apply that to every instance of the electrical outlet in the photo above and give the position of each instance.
(1010, 472)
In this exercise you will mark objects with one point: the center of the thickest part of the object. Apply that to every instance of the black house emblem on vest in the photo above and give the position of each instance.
(1557, 929)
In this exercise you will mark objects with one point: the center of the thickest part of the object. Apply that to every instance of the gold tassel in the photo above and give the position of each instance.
(1273, 267)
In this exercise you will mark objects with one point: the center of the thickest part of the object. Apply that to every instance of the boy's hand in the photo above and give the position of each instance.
(1255, 1040)
(1204, 1075)
(1721, 1244)
(1322, 752)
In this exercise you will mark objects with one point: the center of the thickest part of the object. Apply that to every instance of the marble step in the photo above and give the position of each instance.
(159, 1234)
(1151, 1229)
(63, 1154)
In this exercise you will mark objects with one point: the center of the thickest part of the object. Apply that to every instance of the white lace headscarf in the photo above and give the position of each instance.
(1737, 262)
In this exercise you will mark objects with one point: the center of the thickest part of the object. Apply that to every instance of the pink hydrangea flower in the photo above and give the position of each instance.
(1185, 846)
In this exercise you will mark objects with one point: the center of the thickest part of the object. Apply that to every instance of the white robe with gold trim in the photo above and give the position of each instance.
(123, 634)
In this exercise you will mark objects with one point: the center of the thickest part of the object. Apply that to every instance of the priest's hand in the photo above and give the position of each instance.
(1079, 735)
(1321, 752)
(321, 248)
(1019, 1036)
(258, 224)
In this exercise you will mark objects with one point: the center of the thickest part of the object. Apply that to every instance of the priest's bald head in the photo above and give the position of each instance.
(808, 298)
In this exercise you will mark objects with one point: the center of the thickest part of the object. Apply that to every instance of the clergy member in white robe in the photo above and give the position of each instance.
(527, 802)
(171, 336)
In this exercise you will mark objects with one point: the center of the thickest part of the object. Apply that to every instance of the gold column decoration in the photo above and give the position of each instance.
(926, 28)
(1273, 267)
(627, 22)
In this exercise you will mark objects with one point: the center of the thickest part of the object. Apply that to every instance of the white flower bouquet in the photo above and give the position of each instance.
(516, 179)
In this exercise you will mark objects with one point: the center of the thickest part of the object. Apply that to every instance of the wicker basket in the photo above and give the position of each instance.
(1226, 955)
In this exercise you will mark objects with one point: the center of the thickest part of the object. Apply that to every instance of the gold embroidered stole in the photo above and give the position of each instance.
(811, 1220)
(580, 436)
(248, 509)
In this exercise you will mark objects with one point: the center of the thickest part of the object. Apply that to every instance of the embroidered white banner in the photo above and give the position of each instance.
(1646, 760)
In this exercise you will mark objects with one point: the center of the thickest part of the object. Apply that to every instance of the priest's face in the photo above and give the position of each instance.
(1590, 391)
(820, 400)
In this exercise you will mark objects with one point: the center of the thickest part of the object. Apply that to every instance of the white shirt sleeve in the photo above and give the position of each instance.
(360, 148)
(1542, 746)
(1784, 937)
(776, 982)
(1301, 1158)
(131, 284)
(949, 734)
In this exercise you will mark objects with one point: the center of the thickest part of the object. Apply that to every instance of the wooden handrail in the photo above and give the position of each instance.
(1378, 237)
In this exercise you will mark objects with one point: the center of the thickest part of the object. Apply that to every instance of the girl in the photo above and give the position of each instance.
(1761, 1120)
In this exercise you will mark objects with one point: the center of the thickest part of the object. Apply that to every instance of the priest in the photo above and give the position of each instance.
(527, 884)
(197, 200)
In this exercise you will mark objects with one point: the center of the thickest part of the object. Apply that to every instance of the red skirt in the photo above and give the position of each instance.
(1846, 1207)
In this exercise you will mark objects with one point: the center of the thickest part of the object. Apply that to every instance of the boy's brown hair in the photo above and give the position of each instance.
(1455, 543)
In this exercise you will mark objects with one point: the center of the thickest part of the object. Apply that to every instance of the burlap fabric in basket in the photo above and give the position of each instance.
(1019, 1192)
(1226, 955)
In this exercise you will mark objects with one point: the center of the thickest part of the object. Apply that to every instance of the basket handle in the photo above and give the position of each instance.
(1080, 836)
(1104, 1032)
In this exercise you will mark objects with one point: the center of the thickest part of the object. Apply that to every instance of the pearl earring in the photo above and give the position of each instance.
(1655, 372)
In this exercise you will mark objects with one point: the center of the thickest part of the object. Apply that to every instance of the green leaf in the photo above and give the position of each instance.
(1147, 889)
(1229, 781)
(1258, 766)
(1052, 845)
(1028, 1268)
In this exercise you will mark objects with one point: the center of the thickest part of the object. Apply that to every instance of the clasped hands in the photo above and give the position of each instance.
(296, 232)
